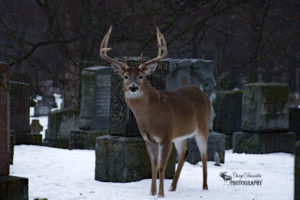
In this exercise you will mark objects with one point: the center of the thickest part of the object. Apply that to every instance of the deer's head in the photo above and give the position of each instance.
(134, 77)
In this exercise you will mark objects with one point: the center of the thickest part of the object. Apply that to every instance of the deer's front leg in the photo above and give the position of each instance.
(152, 149)
(164, 150)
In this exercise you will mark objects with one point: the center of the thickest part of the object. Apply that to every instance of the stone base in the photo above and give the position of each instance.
(13, 188)
(297, 171)
(258, 143)
(26, 138)
(63, 144)
(84, 139)
(216, 143)
(125, 159)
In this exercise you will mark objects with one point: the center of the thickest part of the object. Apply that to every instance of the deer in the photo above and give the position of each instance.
(163, 117)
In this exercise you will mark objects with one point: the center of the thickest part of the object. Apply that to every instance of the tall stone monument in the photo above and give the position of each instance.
(265, 120)
(297, 171)
(228, 109)
(19, 114)
(11, 187)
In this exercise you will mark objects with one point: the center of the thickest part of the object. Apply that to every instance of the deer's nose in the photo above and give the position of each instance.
(133, 88)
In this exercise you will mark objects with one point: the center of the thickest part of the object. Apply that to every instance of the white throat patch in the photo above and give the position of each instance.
(133, 95)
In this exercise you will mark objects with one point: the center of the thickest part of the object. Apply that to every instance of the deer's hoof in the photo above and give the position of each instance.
(172, 189)
(205, 187)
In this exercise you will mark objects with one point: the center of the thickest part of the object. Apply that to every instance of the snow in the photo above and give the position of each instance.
(59, 174)
(69, 175)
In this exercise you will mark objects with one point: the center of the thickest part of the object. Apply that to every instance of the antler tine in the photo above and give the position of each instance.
(162, 50)
(104, 49)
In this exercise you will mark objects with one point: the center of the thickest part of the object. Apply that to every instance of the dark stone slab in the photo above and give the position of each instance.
(49, 101)
(125, 159)
(19, 106)
(259, 143)
(228, 109)
(84, 139)
(4, 119)
(33, 139)
(60, 124)
(95, 98)
(265, 107)
(294, 121)
(216, 143)
(41, 110)
(297, 171)
(13, 188)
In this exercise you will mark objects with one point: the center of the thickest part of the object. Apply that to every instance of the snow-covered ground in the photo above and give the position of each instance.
(59, 174)
(69, 175)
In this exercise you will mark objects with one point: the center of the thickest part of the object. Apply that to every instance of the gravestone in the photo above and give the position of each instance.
(265, 107)
(11, 188)
(265, 116)
(294, 121)
(215, 144)
(36, 127)
(60, 124)
(197, 72)
(131, 155)
(19, 107)
(41, 110)
(297, 171)
(94, 119)
(228, 109)
(49, 101)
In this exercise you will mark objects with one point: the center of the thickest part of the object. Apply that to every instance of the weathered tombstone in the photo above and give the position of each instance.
(215, 144)
(60, 124)
(265, 107)
(11, 187)
(41, 110)
(19, 114)
(294, 121)
(36, 127)
(49, 101)
(131, 155)
(94, 119)
(228, 109)
(265, 116)
(297, 171)
(19, 107)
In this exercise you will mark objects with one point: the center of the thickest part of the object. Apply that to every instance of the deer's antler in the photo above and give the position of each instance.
(162, 50)
(104, 49)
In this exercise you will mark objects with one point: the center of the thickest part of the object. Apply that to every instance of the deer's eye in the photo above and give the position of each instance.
(126, 77)
(140, 77)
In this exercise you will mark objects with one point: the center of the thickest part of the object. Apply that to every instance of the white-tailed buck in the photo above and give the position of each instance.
(163, 117)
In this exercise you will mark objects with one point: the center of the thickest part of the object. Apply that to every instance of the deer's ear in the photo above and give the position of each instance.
(117, 68)
(150, 69)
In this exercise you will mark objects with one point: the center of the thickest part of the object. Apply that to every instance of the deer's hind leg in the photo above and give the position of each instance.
(201, 140)
(181, 149)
